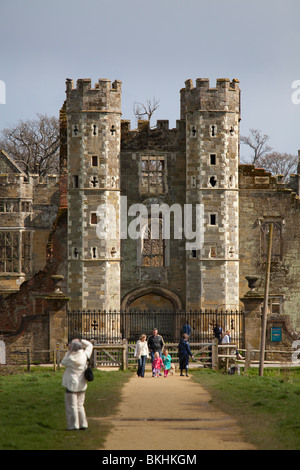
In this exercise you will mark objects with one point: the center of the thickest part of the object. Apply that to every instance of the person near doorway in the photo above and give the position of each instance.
(75, 362)
(155, 344)
(141, 353)
(187, 328)
(184, 354)
(218, 332)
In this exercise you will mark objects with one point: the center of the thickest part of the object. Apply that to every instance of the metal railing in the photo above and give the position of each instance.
(112, 327)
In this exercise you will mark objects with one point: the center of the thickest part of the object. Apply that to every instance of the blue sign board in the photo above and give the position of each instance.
(276, 334)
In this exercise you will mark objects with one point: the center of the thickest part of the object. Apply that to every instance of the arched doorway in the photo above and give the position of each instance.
(148, 308)
(152, 298)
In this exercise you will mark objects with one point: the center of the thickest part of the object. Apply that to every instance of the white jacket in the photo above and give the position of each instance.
(141, 349)
(76, 363)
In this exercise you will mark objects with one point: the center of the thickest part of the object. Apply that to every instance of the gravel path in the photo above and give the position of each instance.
(171, 413)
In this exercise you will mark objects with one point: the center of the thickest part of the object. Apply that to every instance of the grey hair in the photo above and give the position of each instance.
(75, 346)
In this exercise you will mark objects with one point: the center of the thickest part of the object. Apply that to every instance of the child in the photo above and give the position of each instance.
(157, 364)
(167, 362)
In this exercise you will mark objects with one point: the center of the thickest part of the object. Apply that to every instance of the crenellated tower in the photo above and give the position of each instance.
(212, 118)
(93, 148)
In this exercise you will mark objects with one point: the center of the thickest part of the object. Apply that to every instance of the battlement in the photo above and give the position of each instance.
(105, 96)
(224, 97)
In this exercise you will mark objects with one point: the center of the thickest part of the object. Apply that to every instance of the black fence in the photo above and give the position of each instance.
(113, 327)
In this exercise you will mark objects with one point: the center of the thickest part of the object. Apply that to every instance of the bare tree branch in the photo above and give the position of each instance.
(145, 111)
(279, 163)
(258, 143)
(34, 144)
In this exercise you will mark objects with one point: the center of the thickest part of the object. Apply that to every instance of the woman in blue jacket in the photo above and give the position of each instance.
(184, 353)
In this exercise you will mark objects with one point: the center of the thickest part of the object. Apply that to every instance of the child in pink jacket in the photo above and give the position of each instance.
(157, 364)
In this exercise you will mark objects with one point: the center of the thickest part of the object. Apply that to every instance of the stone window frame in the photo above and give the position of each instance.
(150, 242)
(140, 248)
(154, 157)
(15, 255)
(216, 219)
(93, 215)
(210, 159)
(5, 207)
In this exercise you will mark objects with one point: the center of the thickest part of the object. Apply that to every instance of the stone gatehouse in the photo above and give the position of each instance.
(108, 170)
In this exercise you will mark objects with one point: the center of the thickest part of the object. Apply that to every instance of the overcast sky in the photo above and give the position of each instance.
(153, 46)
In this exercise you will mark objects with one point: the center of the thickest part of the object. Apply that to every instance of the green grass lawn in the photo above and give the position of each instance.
(32, 412)
(267, 408)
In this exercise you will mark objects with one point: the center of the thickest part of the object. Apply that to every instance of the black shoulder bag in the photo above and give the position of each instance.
(88, 373)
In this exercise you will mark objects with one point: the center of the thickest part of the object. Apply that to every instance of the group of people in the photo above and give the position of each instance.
(159, 355)
(80, 351)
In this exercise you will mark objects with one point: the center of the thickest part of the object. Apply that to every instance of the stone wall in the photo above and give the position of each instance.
(264, 199)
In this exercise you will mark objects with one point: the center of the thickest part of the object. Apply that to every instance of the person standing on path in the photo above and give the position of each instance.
(157, 365)
(184, 353)
(75, 383)
(167, 362)
(141, 353)
(155, 344)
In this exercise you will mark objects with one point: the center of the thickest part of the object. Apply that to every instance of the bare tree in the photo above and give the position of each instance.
(145, 111)
(279, 163)
(258, 143)
(34, 144)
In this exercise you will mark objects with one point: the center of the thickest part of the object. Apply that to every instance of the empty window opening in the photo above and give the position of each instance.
(213, 219)
(213, 131)
(75, 181)
(94, 160)
(194, 253)
(94, 182)
(213, 181)
(213, 159)
(94, 219)
(94, 252)
(152, 175)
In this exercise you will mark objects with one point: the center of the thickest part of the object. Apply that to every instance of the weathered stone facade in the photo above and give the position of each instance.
(105, 163)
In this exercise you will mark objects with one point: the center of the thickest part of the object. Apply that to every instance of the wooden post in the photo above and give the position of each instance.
(266, 302)
(125, 355)
(28, 360)
(58, 356)
(54, 360)
(247, 358)
(214, 355)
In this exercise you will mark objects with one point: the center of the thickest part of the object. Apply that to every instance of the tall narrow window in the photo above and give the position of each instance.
(212, 219)
(9, 252)
(153, 248)
(26, 252)
(94, 160)
(213, 159)
(152, 174)
(94, 219)
(75, 181)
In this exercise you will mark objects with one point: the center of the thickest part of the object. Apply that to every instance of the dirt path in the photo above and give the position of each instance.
(171, 413)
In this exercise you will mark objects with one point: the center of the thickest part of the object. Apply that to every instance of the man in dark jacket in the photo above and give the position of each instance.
(155, 344)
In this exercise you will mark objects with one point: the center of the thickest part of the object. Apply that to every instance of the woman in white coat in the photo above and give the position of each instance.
(75, 383)
(141, 353)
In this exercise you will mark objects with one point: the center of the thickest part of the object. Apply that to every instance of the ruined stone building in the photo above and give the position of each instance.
(107, 169)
